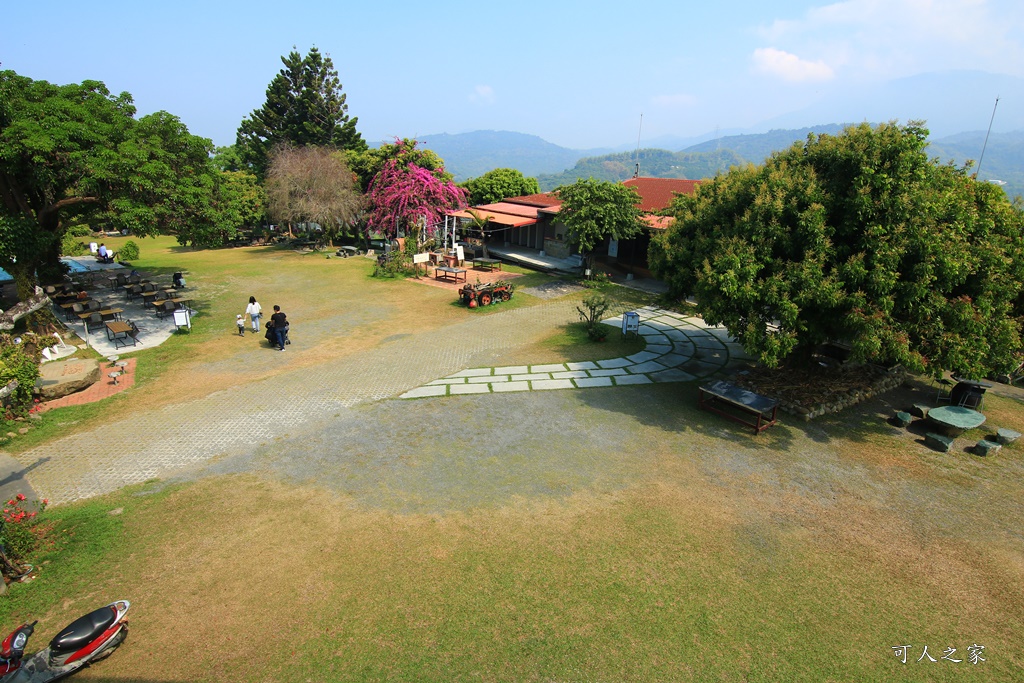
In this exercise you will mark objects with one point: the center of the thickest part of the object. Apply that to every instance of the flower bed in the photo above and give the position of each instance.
(812, 392)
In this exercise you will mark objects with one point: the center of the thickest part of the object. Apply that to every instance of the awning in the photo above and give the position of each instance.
(505, 219)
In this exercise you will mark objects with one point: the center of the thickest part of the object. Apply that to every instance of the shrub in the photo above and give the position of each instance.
(19, 359)
(16, 536)
(129, 251)
(595, 305)
(395, 263)
(598, 280)
(78, 231)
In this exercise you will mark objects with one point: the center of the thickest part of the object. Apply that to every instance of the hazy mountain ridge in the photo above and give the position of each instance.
(469, 155)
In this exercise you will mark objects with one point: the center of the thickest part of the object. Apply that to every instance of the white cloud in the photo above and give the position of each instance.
(893, 38)
(483, 94)
(789, 67)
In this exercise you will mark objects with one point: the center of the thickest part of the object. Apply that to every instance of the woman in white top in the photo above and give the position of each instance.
(253, 310)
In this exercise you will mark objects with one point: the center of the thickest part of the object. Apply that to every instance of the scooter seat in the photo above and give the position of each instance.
(83, 630)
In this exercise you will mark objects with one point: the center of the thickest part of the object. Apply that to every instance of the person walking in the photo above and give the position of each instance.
(280, 321)
(254, 311)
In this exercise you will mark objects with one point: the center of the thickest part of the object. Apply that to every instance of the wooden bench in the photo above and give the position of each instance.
(449, 273)
(488, 263)
(738, 404)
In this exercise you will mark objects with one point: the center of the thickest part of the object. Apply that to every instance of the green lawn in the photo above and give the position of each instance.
(682, 548)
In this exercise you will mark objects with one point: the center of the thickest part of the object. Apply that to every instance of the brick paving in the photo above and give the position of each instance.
(161, 442)
(182, 437)
(100, 390)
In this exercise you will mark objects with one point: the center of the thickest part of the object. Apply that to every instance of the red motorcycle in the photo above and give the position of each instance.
(85, 640)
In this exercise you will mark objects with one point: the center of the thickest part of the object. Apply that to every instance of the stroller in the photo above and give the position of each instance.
(271, 337)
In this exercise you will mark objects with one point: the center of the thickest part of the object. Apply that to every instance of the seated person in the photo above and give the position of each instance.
(105, 254)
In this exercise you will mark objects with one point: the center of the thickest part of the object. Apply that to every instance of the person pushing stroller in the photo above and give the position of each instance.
(277, 329)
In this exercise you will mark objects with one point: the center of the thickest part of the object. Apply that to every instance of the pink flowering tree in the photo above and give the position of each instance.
(404, 196)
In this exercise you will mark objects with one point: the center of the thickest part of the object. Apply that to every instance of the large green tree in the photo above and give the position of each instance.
(499, 184)
(594, 210)
(305, 106)
(76, 154)
(857, 238)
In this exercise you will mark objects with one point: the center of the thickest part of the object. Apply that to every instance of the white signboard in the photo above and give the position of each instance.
(420, 258)
(461, 255)
(613, 248)
(631, 323)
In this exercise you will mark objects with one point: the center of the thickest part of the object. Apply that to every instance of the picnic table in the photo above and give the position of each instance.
(738, 404)
(956, 419)
(488, 263)
(119, 333)
(449, 273)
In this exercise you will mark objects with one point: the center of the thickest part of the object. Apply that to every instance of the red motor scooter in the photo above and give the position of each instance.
(83, 641)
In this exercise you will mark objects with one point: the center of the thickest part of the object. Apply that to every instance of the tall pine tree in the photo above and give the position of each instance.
(304, 107)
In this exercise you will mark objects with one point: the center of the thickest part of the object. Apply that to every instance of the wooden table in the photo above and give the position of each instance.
(118, 331)
(956, 419)
(488, 263)
(449, 273)
(739, 405)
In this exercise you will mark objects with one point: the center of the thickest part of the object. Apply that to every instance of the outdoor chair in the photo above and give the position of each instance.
(943, 390)
(95, 322)
(133, 291)
(165, 308)
(72, 313)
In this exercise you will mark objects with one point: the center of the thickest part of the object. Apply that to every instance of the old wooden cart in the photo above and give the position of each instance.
(485, 294)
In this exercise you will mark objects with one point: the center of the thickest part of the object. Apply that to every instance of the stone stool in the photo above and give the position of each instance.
(986, 447)
(902, 419)
(1006, 436)
(939, 442)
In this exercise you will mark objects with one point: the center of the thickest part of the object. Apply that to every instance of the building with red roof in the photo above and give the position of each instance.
(531, 221)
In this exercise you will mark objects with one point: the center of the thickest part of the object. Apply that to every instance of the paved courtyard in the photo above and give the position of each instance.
(348, 409)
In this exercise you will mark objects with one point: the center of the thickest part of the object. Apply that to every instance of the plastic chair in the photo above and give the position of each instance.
(943, 390)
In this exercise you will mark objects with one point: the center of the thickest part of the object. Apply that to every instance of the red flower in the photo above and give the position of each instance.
(21, 496)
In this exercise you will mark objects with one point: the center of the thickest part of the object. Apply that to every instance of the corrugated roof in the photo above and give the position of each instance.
(509, 207)
(497, 217)
(657, 193)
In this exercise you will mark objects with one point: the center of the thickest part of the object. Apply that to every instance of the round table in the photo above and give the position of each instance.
(956, 417)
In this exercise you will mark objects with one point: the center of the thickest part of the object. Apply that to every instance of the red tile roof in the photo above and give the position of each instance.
(545, 199)
(657, 193)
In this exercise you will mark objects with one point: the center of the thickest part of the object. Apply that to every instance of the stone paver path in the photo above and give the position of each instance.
(679, 349)
(182, 437)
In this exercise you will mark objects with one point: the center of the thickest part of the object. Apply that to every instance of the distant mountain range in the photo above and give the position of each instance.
(469, 155)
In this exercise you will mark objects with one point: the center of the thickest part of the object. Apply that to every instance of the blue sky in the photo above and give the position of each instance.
(578, 74)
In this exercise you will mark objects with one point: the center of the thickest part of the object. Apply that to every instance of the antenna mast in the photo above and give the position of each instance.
(636, 173)
(984, 146)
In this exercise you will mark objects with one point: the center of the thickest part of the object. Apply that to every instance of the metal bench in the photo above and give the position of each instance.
(738, 404)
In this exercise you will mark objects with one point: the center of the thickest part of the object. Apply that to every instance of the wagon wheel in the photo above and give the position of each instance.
(503, 296)
(485, 299)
